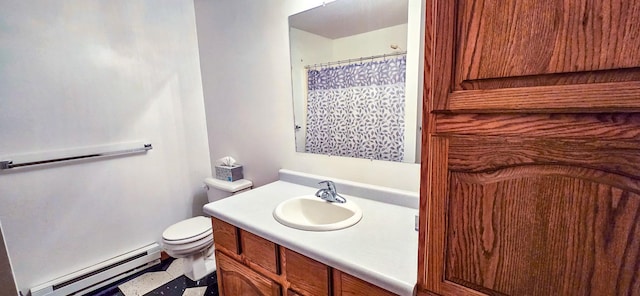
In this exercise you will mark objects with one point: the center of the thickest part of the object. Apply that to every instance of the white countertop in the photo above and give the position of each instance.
(381, 249)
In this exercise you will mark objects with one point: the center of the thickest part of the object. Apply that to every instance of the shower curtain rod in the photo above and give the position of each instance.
(360, 59)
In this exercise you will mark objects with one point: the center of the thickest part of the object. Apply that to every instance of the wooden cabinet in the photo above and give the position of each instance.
(237, 279)
(306, 275)
(531, 158)
(251, 265)
(226, 236)
(533, 216)
(514, 43)
(522, 56)
(260, 251)
(347, 285)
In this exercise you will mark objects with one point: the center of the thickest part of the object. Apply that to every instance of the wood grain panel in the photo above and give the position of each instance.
(225, 235)
(488, 154)
(526, 171)
(603, 76)
(237, 279)
(595, 97)
(260, 251)
(347, 285)
(431, 280)
(543, 235)
(606, 126)
(530, 172)
(441, 52)
(433, 243)
(432, 66)
(520, 38)
(307, 276)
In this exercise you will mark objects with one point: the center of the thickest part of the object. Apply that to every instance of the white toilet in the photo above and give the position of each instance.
(192, 239)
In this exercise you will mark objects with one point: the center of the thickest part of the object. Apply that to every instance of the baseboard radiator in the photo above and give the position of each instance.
(101, 274)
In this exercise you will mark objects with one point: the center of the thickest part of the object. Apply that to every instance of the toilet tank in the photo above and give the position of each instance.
(219, 189)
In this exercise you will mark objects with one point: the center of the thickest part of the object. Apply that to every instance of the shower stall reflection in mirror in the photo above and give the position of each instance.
(357, 109)
(356, 90)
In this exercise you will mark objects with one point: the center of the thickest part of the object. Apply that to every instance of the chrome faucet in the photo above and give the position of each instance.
(330, 194)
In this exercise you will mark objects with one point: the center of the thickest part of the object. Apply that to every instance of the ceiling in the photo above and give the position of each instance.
(344, 18)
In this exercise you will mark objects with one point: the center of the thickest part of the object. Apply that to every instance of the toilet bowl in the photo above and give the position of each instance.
(192, 239)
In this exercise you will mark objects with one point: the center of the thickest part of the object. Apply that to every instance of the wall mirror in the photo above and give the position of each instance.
(355, 94)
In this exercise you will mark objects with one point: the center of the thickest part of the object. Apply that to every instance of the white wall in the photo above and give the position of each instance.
(372, 43)
(308, 49)
(244, 53)
(81, 73)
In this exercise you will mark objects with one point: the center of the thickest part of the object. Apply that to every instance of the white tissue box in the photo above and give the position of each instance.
(229, 173)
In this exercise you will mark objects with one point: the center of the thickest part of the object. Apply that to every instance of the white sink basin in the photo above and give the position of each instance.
(309, 212)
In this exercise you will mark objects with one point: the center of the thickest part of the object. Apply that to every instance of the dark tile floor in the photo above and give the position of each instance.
(178, 286)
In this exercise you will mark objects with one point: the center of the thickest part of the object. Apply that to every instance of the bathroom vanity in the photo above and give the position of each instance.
(257, 255)
(251, 265)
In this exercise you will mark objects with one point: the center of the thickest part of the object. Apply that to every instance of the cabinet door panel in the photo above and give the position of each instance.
(307, 276)
(542, 235)
(260, 251)
(533, 56)
(543, 224)
(347, 285)
(515, 39)
(237, 279)
(225, 235)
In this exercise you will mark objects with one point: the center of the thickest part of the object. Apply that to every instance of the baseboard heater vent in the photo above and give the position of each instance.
(101, 274)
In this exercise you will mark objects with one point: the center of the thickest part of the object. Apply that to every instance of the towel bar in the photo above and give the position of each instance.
(9, 164)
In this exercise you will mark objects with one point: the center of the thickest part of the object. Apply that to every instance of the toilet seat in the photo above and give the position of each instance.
(188, 237)
(182, 250)
(187, 231)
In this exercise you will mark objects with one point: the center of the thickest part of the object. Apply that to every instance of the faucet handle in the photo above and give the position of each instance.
(330, 194)
(330, 185)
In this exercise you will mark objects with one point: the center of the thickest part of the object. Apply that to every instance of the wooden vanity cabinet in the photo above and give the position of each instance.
(226, 236)
(260, 251)
(306, 275)
(347, 285)
(237, 279)
(251, 265)
(531, 152)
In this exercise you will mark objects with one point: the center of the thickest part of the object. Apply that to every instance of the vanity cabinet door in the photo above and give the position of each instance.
(260, 251)
(347, 285)
(236, 279)
(307, 276)
(225, 235)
